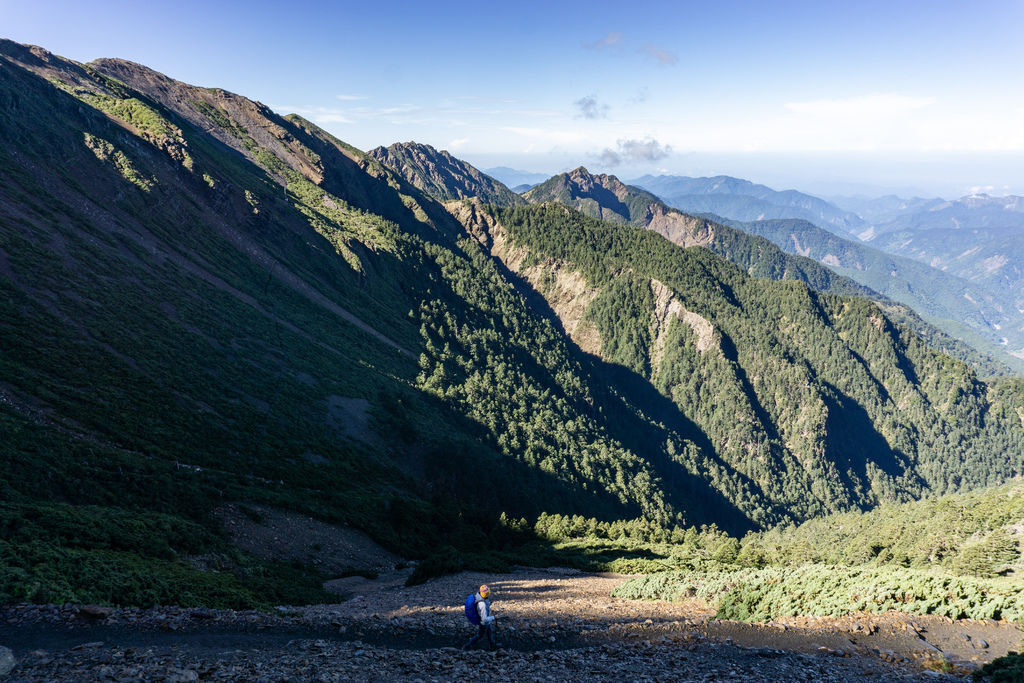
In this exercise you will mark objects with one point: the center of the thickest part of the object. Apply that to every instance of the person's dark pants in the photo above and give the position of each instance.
(485, 630)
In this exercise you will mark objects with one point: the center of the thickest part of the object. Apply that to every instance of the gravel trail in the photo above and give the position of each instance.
(553, 625)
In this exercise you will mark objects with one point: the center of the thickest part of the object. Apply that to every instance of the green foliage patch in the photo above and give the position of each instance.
(1008, 669)
(56, 553)
(818, 590)
(973, 533)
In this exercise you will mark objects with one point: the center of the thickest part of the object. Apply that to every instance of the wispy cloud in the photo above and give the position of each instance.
(609, 157)
(590, 108)
(644, 150)
(351, 98)
(480, 98)
(635, 151)
(662, 57)
(640, 97)
(874, 106)
(611, 38)
(450, 112)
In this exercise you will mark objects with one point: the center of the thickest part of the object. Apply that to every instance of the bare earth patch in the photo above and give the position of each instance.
(271, 534)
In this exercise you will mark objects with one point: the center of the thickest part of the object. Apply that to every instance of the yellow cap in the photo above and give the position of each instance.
(484, 591)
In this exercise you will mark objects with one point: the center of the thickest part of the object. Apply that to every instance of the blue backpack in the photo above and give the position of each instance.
(471, 613)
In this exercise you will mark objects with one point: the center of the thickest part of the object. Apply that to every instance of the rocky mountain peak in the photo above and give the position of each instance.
(441, 175)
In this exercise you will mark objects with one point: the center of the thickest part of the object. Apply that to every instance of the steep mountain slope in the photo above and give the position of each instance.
(836, 423)
(743, 200)
(605, 197)
(985, 316)
(203, 303)
(978, 238)
(197, 309)
(440, 175)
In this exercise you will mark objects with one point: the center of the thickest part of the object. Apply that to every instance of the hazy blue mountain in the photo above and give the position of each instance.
(883, 209)
(984, 316)
(743, 200)
(977, 238)
(979, 303)
(513, 177)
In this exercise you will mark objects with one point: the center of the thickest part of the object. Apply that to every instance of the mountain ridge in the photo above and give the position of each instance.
(740, 199)
(605, 196)
(442, 176)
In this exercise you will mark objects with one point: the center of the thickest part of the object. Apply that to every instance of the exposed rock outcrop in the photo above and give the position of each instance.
(666, 309)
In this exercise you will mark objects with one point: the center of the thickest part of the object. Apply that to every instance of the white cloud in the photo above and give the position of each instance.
(634, 151)
(457, 143)
(611, 38)
(590, 108)
(351, 98)
(662, 57)
(547, 135)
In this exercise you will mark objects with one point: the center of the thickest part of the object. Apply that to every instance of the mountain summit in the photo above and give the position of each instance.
(442, 176)
(607, 198)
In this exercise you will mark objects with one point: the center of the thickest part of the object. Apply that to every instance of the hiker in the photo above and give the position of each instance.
(478, 612)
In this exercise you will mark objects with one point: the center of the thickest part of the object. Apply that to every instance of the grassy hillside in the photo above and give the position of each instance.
(958, 555)
(192, 318)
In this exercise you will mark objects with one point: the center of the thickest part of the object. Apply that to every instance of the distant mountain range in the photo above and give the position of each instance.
(985, 316)
(515, 178)
(885, 208)
(978, 238)
(799, 250)
(958, 263)
(743, 200)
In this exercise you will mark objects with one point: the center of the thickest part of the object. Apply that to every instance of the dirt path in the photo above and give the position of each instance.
(552, 624)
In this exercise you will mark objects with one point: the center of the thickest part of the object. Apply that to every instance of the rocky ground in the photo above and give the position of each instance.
(553, 625)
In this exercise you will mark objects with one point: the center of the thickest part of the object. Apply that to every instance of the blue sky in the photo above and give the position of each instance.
(915, 96)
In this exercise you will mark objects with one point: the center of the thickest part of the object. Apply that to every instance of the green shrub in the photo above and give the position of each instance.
(763, 594)
(445, 561)
(1008, 669)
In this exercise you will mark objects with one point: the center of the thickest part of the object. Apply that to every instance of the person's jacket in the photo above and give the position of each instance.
(483, 608)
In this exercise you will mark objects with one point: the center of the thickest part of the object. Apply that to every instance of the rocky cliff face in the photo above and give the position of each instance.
(442, 176)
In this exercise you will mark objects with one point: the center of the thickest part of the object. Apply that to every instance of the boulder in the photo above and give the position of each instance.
(7, 661)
